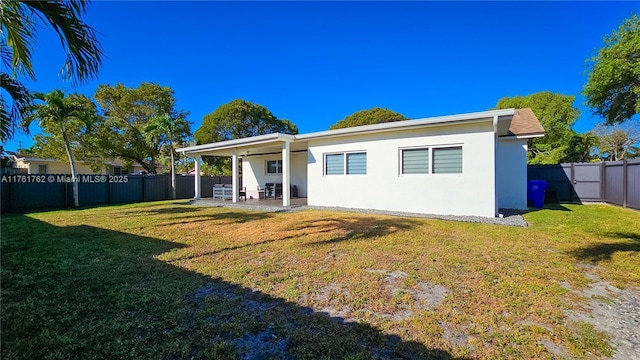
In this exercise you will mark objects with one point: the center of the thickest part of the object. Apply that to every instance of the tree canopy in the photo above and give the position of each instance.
(617, 142)
(557, 115)
(128, 112)
(367, 117)
(234, 120)
(613, 87)
(50, 144)
(167, 132)
(19, 22)
(238, 119)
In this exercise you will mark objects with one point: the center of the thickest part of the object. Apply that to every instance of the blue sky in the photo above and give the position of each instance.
(316, 62)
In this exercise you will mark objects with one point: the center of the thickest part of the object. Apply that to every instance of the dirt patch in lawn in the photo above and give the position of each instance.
(609, 309)
(261, 327)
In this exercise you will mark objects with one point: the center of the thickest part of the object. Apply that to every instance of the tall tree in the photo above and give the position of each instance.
(557, 115)
(580, 148)
(166, 131)
(55, 113)
(613, 87)
(367, 117)
(617, 142)
(127, 114)
(19, 21)
(238, 119)
(79, 133)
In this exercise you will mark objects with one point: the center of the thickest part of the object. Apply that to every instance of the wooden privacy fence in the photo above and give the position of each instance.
(23, 192)
(615, 182)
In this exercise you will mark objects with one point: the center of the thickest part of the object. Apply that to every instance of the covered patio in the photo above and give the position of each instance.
(257, 148)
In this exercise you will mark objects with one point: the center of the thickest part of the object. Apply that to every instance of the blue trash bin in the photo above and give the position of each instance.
(535, 192)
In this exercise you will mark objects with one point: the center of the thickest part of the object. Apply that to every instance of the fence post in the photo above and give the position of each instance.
(142, 178)
(603, 176)
(624, 183)
(572, 182)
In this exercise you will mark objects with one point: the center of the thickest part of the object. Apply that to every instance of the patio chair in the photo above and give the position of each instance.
(277, 190)
(218, 191)
(261, 193)
(268, 190)
(227, 191)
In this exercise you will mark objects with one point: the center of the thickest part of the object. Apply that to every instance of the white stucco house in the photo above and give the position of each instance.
(466, 164)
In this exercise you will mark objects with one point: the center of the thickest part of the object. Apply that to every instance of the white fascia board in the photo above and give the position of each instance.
(235, 143)
(35, 159)
(408, 124)
(511, 137)
(48, 160)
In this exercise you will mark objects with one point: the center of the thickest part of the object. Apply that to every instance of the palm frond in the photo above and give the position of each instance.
(20, 101)
(5, 54)
(6, 125)
(18, 33)
(79, 40)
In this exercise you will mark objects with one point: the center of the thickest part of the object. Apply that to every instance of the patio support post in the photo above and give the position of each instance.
(496, 206)
(234, 176)
(198, 191)
(286, 174)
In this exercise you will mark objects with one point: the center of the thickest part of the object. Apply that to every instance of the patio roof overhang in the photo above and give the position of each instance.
(256, 145)
(236, 149)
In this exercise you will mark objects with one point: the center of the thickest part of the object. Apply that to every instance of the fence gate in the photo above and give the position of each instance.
(614, 182)
(586, 181)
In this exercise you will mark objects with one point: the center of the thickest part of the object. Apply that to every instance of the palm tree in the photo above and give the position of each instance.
(10, 116)
(165, 130)
(19, 20)
(55, 112)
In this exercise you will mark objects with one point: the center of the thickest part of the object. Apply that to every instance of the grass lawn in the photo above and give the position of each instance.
(167, 281)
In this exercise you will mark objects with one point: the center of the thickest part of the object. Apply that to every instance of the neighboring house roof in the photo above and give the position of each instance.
(27, 158)
(526, 126)
(30, 158)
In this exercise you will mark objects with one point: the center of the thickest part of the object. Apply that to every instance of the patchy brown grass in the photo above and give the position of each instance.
(427, 287)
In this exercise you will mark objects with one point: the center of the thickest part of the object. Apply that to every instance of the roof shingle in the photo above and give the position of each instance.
(524, 123)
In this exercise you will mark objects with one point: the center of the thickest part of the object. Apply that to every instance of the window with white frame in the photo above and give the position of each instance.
(274, 166)
(356, 163)
(447, 160)
(431, 160)
(415, 161)
(42, 169)
(334, 164)
(351, 163)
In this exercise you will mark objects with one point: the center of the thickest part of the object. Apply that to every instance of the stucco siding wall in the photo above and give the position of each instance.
(384, 188)
(511, 174)
(254, 172)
